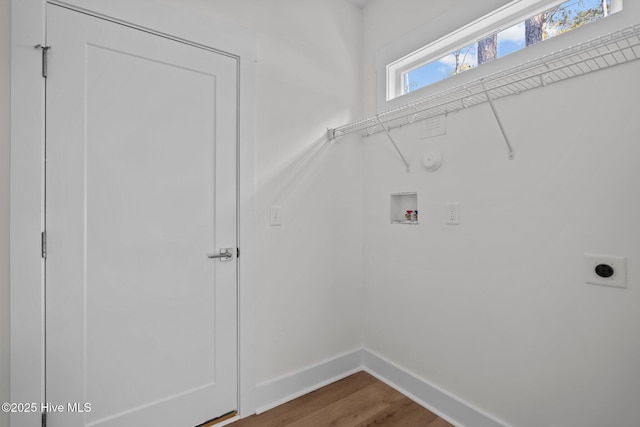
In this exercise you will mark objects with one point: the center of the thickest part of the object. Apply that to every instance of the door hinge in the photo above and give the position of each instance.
(44, 244)
(44, 50)
(44, 419)
(237, 252)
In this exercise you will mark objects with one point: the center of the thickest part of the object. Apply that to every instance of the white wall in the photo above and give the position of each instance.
(309, 269)
(495, 310)
(5, 103)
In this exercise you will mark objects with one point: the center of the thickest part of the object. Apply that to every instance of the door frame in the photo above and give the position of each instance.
(27, 329)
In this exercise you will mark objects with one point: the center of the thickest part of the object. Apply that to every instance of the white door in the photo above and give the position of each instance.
(141, 326)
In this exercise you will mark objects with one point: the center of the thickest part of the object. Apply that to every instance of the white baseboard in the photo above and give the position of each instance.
(444, 404)
(281, 390)
(458, 412)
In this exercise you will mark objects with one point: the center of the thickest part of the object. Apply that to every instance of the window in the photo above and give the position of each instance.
(516, 26)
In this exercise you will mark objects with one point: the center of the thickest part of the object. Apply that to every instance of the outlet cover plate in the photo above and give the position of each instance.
(453, 214)
(618, 263)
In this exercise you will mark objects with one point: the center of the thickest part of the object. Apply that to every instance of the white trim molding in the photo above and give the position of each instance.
(447, 406)
(286, 388)
(444, 404)
(27, 352)
(27, 213)
(458, 27)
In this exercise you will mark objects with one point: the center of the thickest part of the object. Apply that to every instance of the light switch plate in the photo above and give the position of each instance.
(276, 215)
(618, 265)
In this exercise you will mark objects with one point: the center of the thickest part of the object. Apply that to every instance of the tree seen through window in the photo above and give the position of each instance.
(550, 23)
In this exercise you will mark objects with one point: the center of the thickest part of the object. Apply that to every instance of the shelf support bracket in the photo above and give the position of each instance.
(393, 142)
(495, 113)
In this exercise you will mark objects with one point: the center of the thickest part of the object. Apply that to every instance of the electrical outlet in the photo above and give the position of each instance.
(453, 213)
(605, 270)
(276, 215)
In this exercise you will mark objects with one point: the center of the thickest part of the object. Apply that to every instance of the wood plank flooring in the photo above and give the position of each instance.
(357, 401)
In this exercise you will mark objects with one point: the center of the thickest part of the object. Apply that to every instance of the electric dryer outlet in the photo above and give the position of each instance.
(605, 270)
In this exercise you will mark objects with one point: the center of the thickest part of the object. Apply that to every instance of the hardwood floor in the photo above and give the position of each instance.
(356, 401)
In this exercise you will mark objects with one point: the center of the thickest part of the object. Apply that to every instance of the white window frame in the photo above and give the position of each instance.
(410, 52)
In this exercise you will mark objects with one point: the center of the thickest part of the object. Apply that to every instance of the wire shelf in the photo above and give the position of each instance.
(603, 52)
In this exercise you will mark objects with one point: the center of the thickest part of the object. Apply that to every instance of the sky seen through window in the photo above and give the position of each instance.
(556, 20)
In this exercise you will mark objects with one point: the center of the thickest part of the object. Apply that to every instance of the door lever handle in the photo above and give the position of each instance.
(224, 255)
